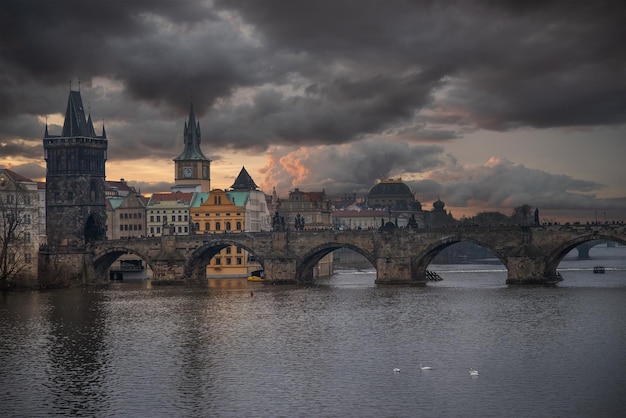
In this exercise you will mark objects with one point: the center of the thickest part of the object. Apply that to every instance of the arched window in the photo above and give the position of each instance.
(207, 226)
(238, 226)
(228, 225)
(218, 226)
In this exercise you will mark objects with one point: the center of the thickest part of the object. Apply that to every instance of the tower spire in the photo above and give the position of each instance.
(192, 139)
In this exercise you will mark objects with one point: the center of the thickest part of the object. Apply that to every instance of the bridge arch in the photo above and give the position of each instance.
(426, 256)
(195, 267)
(556, 256)
(304, 269)
(105, 257)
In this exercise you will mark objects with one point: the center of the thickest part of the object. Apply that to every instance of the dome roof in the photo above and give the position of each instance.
(390, 188)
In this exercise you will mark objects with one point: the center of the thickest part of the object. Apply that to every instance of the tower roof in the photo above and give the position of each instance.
(192, 139)
(77, 122)
(244, 181)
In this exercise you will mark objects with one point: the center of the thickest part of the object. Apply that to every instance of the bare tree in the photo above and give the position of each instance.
(522, 215)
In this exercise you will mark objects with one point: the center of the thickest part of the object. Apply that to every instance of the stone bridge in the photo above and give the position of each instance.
(531, 254)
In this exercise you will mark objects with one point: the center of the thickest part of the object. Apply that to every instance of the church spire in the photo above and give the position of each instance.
(192, 139)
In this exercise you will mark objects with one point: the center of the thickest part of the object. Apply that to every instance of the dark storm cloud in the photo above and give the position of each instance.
(358, 76)
(511, 64)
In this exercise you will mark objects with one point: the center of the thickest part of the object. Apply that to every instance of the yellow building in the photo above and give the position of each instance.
(222, 212)
(217, 213)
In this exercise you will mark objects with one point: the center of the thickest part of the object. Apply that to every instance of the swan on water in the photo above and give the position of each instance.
(473, 372)
(425, 367)
(396, 370)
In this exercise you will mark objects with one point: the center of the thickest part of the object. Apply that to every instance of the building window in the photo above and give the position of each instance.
(239, 261)
(218, 261)
(228, 261)
(228, 250)
(218, 226)
(207, 226)
(239, 251)
(238, 226)
(227, 225)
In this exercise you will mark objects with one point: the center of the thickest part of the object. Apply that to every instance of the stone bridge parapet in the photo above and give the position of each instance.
(531, 254)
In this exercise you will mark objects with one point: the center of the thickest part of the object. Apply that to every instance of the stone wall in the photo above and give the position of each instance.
(58, 269)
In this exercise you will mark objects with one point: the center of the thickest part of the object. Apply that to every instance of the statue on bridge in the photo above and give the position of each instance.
(299, 223)
(278, 222)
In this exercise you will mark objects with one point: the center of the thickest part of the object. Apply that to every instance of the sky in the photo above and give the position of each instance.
(487, 105)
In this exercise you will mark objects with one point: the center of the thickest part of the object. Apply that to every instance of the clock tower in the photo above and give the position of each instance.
(192, 168)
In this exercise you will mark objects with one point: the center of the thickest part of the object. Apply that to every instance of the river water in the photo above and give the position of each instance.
(239, 349)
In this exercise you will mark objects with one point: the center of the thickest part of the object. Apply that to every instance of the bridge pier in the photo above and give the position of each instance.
(530, 270)
(398, 270)
(168, 271)
(169, 264)
(280, 270)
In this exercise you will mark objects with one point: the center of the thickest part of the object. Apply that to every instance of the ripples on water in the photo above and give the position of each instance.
(325, 350)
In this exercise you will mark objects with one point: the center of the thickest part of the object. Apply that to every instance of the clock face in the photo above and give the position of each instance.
(187, 171)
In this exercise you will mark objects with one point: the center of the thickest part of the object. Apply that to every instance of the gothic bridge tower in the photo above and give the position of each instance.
(75, 179)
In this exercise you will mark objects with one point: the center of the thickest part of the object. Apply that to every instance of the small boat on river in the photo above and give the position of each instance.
(256, 276)
(598, 269)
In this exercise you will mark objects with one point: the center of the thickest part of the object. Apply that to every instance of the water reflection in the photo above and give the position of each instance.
(136, 349)
(77, 356)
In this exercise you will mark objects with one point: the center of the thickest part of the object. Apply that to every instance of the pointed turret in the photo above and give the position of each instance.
(90, 129)
(244, 182)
